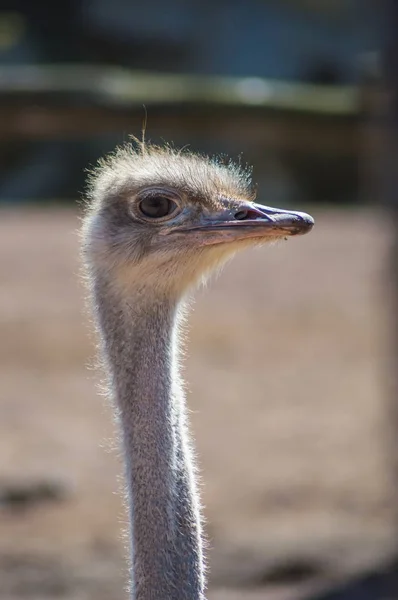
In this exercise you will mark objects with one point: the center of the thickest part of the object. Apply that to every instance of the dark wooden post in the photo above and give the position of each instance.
(390, 71)
(389, 197)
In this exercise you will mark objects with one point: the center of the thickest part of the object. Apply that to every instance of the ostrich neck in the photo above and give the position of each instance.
(139, 340)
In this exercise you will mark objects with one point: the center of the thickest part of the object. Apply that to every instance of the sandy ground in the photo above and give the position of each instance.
(286, 372)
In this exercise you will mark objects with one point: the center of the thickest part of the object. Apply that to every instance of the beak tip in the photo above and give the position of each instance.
(307, 222)
(291, 221)
(294, 223)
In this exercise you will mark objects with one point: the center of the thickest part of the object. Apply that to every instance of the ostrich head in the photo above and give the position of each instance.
(167, 218)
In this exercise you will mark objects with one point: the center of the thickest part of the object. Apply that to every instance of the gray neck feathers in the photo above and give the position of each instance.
(140, 352)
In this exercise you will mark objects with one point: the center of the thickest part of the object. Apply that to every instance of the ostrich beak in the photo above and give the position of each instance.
(250, 220)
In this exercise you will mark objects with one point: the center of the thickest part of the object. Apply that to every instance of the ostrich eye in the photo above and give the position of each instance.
(156, 207)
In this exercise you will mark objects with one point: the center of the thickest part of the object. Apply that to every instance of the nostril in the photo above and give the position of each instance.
(241, 215)
(248, 213)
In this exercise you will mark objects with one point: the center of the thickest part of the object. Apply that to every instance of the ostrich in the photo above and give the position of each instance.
(157, 222)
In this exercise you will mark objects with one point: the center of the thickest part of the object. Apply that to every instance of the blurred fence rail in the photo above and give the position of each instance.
(46, 101)
(122, 87)
(309, 134)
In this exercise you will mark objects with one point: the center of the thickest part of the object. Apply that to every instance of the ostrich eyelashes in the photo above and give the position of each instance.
(157, 206)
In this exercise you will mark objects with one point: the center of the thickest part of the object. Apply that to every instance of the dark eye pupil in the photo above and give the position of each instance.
(156, 207)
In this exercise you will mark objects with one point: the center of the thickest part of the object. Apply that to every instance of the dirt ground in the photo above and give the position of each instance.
(287, 372)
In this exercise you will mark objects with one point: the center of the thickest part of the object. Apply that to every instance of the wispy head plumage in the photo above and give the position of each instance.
(203, 179)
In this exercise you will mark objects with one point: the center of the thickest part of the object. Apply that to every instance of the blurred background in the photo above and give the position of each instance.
(292, 352)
